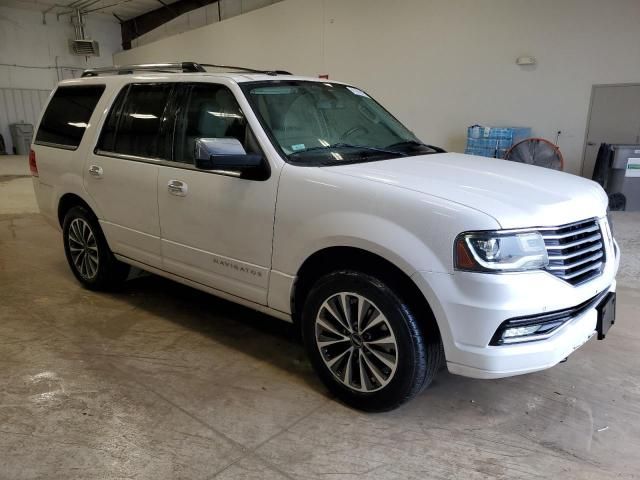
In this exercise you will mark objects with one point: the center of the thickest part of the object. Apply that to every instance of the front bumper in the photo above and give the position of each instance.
(469, 308)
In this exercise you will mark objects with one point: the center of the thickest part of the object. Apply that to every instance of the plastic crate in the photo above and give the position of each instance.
(514, 134)
(489, 143)
(486, 152)
(493, 141)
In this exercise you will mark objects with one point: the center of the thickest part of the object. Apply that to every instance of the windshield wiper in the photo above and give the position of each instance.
(417, 144)
(349, 145)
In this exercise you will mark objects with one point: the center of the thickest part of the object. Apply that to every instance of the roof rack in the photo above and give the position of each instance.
(184, 67)
(245, 69)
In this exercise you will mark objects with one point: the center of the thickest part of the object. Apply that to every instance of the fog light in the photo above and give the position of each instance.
(541, 326)
(520, 331)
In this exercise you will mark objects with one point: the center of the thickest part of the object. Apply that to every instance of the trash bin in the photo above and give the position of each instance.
(624, 177)
(21, 135)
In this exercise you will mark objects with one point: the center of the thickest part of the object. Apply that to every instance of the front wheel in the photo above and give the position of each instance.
(87, 252)
(365, 343)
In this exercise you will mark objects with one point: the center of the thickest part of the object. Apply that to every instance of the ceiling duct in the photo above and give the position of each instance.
(80, 45)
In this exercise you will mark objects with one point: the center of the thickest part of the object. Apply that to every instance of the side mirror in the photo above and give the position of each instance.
(228, 154)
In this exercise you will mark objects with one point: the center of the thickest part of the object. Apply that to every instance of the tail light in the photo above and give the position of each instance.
(33, 166)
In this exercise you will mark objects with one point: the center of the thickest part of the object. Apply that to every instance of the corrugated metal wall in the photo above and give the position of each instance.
(19, 106)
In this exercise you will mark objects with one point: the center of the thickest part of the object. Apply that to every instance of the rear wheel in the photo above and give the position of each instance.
(87, 252)
(365, 343)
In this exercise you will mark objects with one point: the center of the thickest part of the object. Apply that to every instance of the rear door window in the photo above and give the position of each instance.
(67, 116)
(136, 124)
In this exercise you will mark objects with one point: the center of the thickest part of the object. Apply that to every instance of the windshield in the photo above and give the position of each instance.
(316, 123)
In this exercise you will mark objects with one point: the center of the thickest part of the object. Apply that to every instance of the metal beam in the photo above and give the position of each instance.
(168, 7)
(97, 9)
(134, 27)
(53, 6)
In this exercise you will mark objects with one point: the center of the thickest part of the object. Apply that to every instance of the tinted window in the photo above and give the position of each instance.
(136, 123)
(210, 111)
(108, 136)
(67, 115)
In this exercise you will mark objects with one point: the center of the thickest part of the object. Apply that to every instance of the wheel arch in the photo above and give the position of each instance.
(335, 258)
(67, 202)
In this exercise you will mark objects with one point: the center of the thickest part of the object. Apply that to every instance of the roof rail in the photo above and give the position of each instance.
(184, 67)
(148, 67)
(246, 69)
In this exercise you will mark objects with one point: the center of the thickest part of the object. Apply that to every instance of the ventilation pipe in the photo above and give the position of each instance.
(80, 45)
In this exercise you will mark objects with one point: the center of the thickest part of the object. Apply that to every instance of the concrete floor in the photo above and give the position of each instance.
(161, 381)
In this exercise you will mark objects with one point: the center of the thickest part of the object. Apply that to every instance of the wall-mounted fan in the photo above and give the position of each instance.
(536, 151)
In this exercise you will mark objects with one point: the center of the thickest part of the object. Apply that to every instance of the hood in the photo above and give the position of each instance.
(514, 194)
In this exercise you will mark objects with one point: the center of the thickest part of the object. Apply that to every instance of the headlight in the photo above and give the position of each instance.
(500, 252)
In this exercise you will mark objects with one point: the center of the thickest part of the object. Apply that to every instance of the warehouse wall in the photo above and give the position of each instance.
(24, 40)
(439, 65)
(19, 105)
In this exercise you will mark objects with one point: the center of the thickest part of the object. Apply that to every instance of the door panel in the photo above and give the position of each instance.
(216, 229)
(219, 232)
(122, 176)
(126, 195)
(614, 118)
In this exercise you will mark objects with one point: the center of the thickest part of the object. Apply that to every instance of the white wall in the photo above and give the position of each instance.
(24, 40)
(440, 65)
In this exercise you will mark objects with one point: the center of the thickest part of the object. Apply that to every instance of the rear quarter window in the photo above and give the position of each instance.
(67, 116)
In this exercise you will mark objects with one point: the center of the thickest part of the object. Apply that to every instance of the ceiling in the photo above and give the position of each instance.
(124, 9)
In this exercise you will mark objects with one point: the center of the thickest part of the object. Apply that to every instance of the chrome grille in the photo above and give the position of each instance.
(576, 251)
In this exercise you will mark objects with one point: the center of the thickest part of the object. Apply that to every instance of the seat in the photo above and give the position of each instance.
(301, 125)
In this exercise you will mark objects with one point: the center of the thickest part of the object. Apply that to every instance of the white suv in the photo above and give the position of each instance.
(305, 199)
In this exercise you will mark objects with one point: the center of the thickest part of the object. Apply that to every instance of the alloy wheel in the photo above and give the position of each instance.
(83, 248)
(356, 342)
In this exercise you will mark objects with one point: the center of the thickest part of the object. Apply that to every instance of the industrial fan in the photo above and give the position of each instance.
(536, 151)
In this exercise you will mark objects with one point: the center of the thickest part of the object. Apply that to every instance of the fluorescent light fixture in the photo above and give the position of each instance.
(78, 124)
(142, 116)
(224, 114)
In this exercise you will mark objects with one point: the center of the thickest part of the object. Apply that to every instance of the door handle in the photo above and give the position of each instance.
(591, 144)
(176, 187)
(96, 171)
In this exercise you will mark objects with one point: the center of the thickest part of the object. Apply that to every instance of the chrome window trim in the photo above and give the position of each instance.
(164, 163)
(170, 163)
(58, 145)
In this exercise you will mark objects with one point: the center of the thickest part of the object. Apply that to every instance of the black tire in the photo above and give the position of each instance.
(417, 358)
(109, 272)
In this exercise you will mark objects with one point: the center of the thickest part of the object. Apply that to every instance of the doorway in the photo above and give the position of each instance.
(614, 117)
